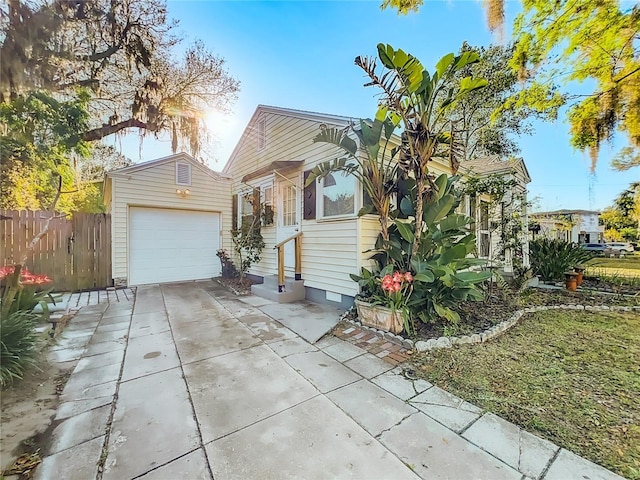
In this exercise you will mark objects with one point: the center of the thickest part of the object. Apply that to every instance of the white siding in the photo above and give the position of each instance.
(329, 248)
(156, 187)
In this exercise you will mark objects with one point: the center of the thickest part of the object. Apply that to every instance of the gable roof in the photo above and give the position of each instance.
(494, 164)
(176, 157)
(289, 112)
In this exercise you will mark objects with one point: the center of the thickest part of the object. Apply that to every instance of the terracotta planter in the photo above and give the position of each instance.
(580, 271)
(379, 317)
(571, 281)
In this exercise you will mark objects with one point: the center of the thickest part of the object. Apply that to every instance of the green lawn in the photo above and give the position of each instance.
(628, 266)
(571, 377)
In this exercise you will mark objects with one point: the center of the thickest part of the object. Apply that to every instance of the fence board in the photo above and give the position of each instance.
(75, 252)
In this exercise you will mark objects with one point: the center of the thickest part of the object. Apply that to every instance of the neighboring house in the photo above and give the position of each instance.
(271, 161)
(494, 218)
(169, 217)
(578, 226)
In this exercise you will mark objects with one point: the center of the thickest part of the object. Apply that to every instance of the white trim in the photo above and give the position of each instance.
(321, 217)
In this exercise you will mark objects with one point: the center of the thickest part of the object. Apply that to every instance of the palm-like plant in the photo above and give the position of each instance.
(421, 101)
(376, 170)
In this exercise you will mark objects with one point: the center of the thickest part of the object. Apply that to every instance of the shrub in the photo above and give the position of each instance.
(18, 345)
(550, 258)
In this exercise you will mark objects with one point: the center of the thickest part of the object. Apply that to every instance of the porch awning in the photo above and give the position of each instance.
(273, 166)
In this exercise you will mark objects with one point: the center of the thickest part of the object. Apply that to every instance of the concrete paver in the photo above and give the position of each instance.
(112, 327)
(266, 328)
(342, 351)
(192, 465)
(397, 384)
(79, 429)
(506, 441)
(200, 382)
(149, 354)
(195, 343)
(95, 391)
(446, 408)
(232, 391)
(368, 365)
(76, 407)
(73, 464)
(371, 407)
(148, 323)
(104, 347)
(312, 440)
(84, 379)
(292, 346)
(153, 423)
(569, 465)
(99, 361)
(321, 370)
(433, 451)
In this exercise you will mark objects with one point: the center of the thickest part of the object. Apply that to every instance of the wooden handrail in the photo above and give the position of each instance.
(278, 245)
(298, 259)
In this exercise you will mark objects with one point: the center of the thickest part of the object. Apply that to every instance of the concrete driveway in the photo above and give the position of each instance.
(192, 382)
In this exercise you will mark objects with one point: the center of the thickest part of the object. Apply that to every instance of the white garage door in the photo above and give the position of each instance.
(172, 245)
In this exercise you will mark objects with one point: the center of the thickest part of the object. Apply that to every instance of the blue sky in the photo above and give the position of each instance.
(299, 54)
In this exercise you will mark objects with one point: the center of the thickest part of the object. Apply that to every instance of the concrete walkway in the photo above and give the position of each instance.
(192, 382)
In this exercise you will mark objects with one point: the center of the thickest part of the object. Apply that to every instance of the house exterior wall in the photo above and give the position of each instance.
(577, 227)
(329, 247)
(332, 249)
(156, 187)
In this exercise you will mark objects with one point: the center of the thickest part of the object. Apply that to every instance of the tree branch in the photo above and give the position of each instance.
(106, 130)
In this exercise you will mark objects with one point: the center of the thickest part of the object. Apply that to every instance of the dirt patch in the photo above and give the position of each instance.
(28, 409)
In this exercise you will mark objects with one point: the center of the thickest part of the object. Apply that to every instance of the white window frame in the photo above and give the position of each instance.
(483, 231)
(357, 200)
(185, 164)
(241, 195)
(263, 190)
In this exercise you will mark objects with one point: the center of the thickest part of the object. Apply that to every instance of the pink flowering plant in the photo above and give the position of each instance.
(22, 290)
(389, 288)
(397, 288)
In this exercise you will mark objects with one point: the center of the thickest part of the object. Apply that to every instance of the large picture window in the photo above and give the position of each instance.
(337, 196)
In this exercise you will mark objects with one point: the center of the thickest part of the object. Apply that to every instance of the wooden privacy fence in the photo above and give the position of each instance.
(75, 252)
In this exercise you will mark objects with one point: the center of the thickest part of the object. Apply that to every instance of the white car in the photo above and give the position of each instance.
(620, 247)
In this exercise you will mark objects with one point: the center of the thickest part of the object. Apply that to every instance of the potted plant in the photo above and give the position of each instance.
(571, 281)
(579, 269)
(384, 303)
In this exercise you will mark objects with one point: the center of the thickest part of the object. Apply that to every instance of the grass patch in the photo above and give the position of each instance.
(571, 377)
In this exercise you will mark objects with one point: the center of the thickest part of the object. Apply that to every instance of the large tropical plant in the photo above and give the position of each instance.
(421, 102)
(376, 170)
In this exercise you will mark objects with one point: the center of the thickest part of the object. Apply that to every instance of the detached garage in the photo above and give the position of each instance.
(169, 218)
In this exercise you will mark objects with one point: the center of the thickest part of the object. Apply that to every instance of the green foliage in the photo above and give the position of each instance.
(247, 242)
(507, 204)
(376, 172)
(423, 103)
(440, 266)
(18, 345)
(123, 53)
(551, 258)
(40, 135)
(485, 125)
(622, 219)
(595, 42)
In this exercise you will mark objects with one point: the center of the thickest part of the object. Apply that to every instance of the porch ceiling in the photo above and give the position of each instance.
(273, 166)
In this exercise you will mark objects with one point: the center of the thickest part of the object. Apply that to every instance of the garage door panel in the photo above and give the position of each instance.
(172, 245)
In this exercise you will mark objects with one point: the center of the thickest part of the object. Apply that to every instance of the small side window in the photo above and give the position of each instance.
(267, 205)
(183, 174)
